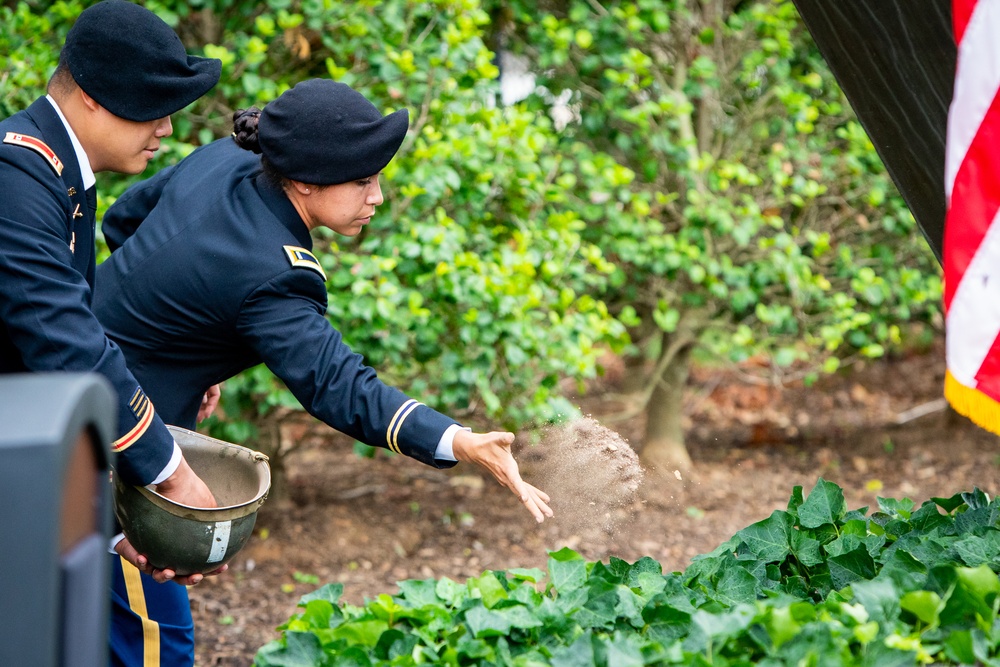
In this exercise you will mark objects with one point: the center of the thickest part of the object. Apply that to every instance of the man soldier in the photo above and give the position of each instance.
(122, 72)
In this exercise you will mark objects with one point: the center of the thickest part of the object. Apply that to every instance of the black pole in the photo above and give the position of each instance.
(895, 61)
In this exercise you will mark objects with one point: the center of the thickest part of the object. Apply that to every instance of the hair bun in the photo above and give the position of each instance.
(245, 129)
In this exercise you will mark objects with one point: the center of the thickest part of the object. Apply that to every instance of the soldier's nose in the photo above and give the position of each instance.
(165, 128)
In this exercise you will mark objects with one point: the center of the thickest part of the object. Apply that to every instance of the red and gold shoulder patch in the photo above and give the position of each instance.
(38, 146)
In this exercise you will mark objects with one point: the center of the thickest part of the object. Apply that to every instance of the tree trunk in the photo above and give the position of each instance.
(663, 449)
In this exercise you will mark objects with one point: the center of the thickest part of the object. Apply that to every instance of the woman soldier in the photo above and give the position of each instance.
(212, 273)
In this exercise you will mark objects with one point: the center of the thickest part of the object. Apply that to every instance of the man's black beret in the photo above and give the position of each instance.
(133, 63)
(324, 132)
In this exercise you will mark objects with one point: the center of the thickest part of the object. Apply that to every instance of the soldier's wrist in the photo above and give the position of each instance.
(171, 467)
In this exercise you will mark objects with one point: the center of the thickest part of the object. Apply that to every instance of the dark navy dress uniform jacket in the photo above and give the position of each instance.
(46, 278)
(214, 274)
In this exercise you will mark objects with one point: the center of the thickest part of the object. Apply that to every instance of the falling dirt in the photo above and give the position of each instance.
(591, 472)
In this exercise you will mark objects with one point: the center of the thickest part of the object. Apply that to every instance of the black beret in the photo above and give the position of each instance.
(133, 63)
(324, 132)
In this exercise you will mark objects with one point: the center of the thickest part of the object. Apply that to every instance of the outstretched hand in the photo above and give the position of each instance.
(492, 451)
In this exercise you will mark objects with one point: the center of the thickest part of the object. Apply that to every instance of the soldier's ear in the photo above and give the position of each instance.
(300, 187)
(88, 101)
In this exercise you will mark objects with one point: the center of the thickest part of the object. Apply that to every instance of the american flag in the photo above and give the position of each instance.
(971, 253)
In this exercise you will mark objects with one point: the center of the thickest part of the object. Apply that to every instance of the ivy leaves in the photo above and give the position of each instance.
(813, 584)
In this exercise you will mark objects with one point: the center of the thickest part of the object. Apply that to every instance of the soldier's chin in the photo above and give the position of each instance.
(350, 231)
(136, 166)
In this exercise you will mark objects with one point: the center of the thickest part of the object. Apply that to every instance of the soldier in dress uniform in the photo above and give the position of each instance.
(121, 73)
(212, 272)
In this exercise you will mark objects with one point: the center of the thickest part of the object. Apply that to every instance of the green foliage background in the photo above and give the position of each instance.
(713, 175)
(759, 211)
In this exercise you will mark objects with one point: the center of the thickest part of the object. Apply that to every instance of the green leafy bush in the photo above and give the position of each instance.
(29, 48)
(757, 201)
(814, 584)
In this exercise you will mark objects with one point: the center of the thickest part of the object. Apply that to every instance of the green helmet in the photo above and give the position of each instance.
(194, 539)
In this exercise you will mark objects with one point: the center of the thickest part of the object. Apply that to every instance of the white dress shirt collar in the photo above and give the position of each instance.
(81, 156)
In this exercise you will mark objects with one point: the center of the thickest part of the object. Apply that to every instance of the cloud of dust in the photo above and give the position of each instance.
(591, 473)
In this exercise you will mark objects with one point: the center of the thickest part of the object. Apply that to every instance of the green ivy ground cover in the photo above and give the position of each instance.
(812, 585)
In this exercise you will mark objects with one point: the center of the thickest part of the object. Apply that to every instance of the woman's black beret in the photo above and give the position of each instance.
(324, 132)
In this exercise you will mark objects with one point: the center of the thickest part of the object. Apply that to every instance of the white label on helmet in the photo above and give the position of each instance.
(220, 541)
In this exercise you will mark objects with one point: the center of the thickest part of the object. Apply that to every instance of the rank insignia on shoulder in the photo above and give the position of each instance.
(38, 146)
(302, 258)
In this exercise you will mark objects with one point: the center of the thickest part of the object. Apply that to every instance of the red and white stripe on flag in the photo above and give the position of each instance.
(971, 253)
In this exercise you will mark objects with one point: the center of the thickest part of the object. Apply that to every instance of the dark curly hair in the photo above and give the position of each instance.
(246, 137)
